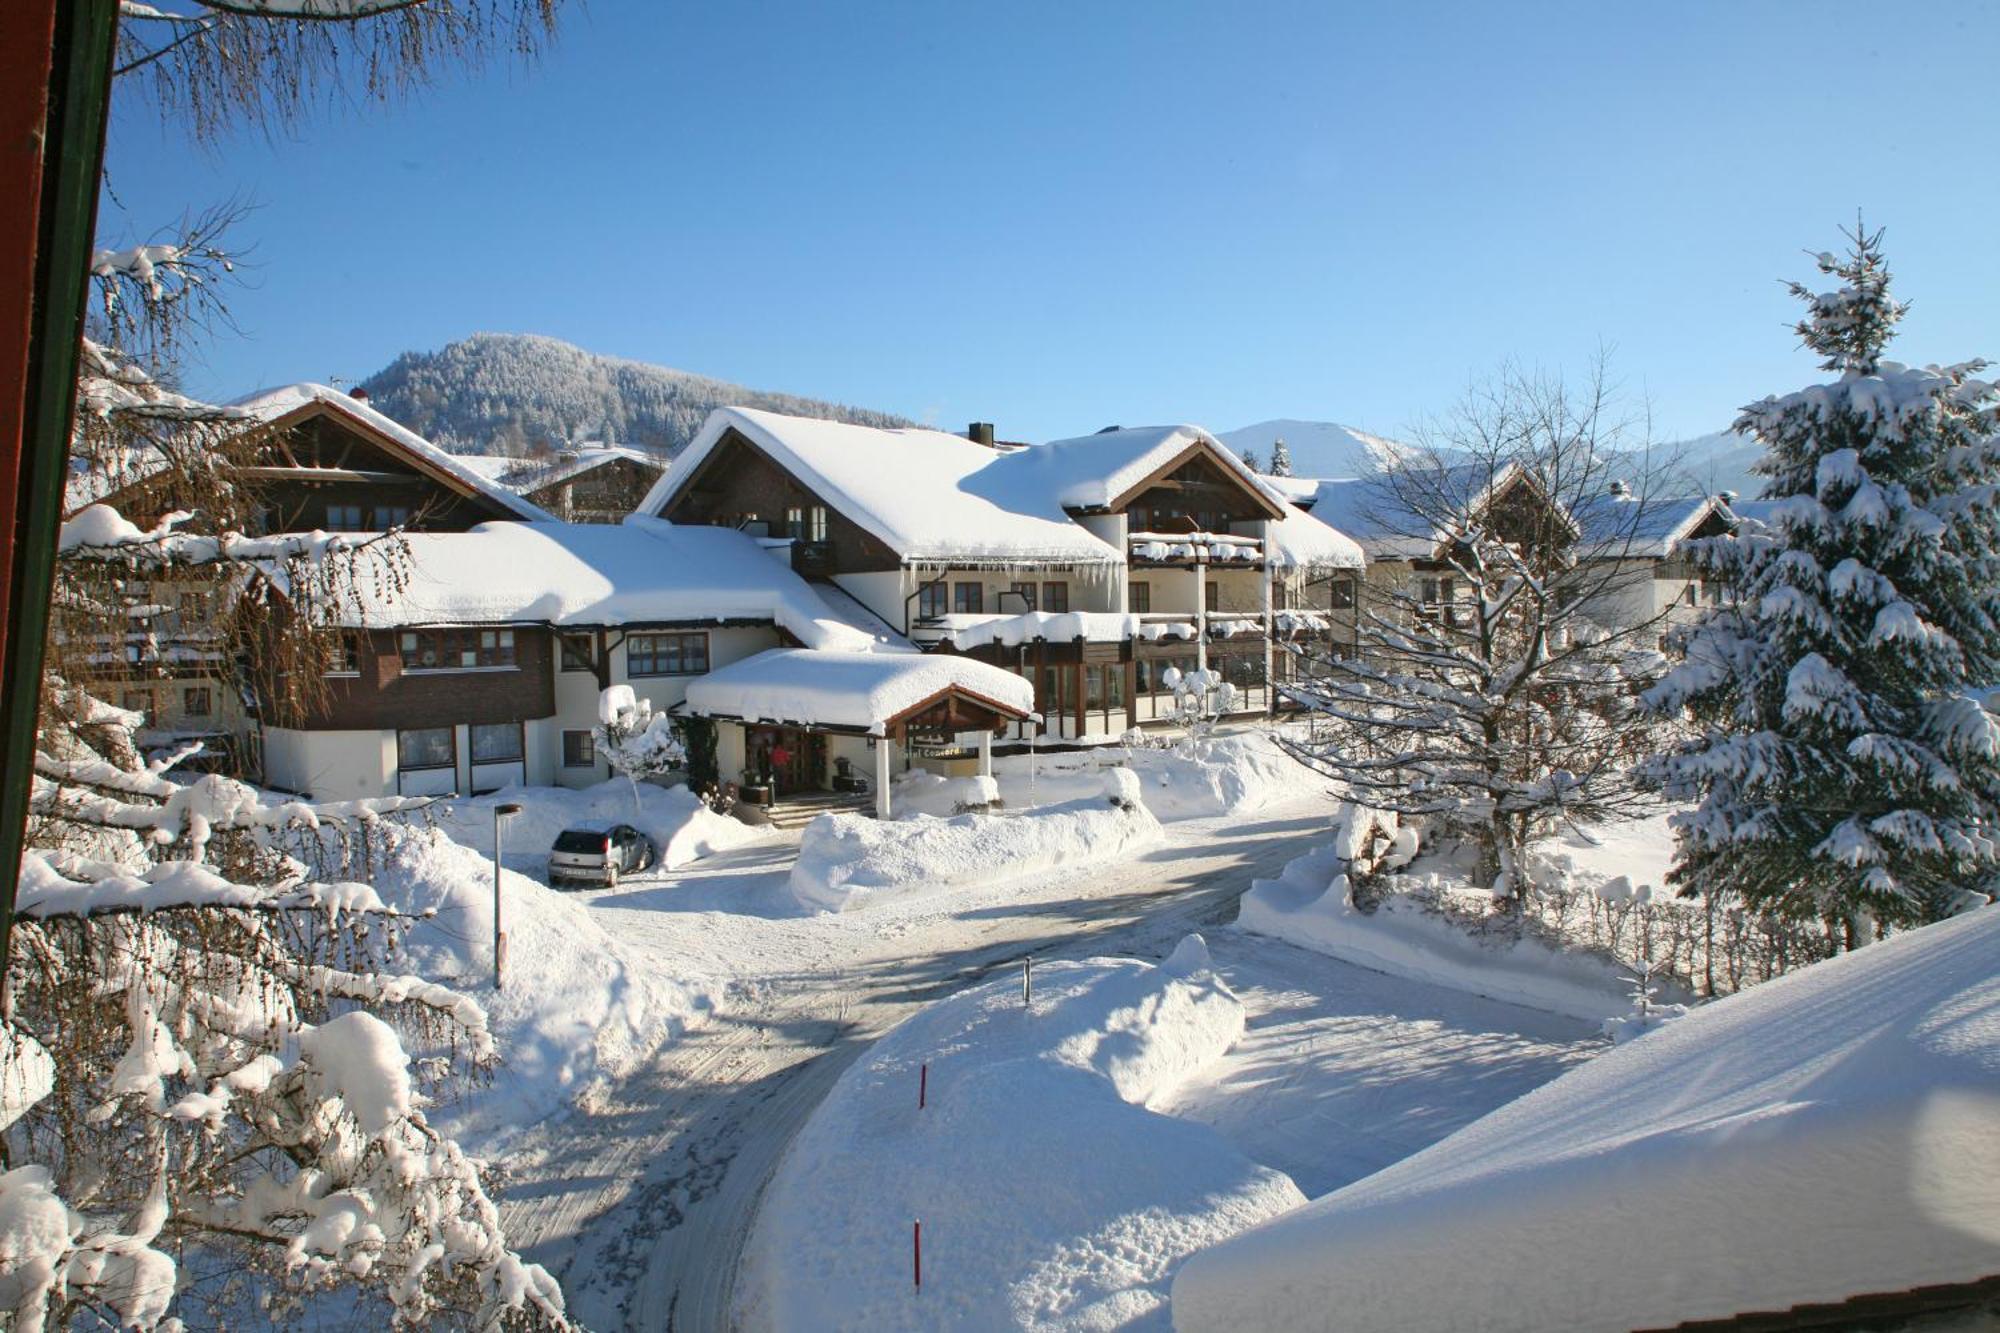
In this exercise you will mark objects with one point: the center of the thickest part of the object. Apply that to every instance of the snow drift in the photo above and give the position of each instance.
(1050, 1197)
(850, 861)
(1828, 1134)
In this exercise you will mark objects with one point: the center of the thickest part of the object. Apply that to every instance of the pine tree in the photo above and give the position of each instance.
(1251, 461)
(1841, 767)
(1281, 458)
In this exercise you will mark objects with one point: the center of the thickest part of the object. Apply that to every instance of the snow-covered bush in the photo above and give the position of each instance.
(634, 740)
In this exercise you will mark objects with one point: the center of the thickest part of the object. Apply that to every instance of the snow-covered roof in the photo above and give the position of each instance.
(1823, 1136)
(523, 475)
(271, 405)
(643, 571)
(1095, 471)
(909, 488)
(1377, 514)
(1304, 541)
(1654, 527)
(861, 690)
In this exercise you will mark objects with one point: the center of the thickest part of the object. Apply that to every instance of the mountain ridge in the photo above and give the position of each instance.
(511, 393)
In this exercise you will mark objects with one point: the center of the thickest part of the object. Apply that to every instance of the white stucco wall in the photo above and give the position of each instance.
(332, 765)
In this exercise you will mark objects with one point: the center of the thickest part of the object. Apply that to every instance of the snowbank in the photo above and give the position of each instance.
(850, 861)
(1223, 775)
(1050, 1197)
(578, 1001)
(673, 817)
(1309, 905)
(1825, 1135)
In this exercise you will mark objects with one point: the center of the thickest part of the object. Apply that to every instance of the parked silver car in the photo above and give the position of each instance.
(599, 855)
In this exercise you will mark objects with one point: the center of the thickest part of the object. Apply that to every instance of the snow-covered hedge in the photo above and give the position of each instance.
(1050, 1197)
(850, 861)
(1312, 905)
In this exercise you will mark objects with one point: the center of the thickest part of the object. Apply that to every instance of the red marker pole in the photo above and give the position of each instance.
(923, 1083)
(917, 1252)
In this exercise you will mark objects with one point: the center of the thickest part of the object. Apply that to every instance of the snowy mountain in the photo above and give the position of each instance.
(1318, 448)
(504, 392)
(1721, 462)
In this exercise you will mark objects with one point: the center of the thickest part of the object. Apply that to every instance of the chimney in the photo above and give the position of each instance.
(1620, 490)
(980, 432)
(358, 394)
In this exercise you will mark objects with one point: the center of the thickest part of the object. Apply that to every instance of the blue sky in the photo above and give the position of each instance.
(1058, 216)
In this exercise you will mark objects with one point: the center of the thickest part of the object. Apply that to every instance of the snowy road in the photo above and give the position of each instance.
(640, 1199)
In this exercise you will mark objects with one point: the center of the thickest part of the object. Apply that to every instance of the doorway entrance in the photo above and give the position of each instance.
(794, 758)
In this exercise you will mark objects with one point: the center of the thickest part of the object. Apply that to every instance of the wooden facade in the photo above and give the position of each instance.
(740, 486)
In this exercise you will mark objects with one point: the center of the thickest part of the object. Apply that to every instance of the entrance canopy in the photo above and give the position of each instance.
(877, 694)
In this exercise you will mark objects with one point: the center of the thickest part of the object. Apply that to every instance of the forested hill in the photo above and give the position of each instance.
(506, 392)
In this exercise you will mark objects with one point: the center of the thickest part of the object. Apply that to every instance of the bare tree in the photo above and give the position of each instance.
(1507, 625)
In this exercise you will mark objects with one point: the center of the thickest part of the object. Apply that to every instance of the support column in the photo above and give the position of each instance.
(1270, 628)
(1200, 616)
(985, 753)
(882, 744)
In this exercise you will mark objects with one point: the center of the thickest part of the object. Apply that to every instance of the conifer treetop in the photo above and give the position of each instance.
(1850, 327)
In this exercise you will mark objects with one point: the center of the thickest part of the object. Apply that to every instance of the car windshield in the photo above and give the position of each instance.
(581, 840)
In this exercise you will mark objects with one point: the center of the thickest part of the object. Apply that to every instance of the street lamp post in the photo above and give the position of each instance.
(500, 812)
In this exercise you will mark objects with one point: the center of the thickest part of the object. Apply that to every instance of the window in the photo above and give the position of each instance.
(496, 647)
(1438, 595)
(137, 701)
(344, 657)
(496, 742)
(579, 749)
(666, 654)
(579, 653)
(795, 523)
(455, 650)
(389, 516)
(343, 518)
(426, 747)
(1691, 594)
(1026, 592)
(1104, 686)
(1212, 594)
(1278, 595)
(1340, 594)
(195, 701)
(968, 599)
(817, 532)
(1139, 597)
(931, 601)
(1055, 597)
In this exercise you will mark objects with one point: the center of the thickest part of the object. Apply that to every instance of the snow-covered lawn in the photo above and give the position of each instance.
(1342, 1070)
(1822, 1136)
(851, 861)
(1049, 1196)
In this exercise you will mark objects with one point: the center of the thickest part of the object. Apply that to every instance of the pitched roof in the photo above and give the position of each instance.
(642, 571)
(1098, 471)
(1388, 526)
(275, 405)
(523, 475)
(909, 488)
(1305, 541)
(850, 689)
(1654, 527)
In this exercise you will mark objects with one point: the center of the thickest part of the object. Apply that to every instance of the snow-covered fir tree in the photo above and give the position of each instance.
(1252, 461)
(1281, 458)
(1487, 699)
(1842, 766)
